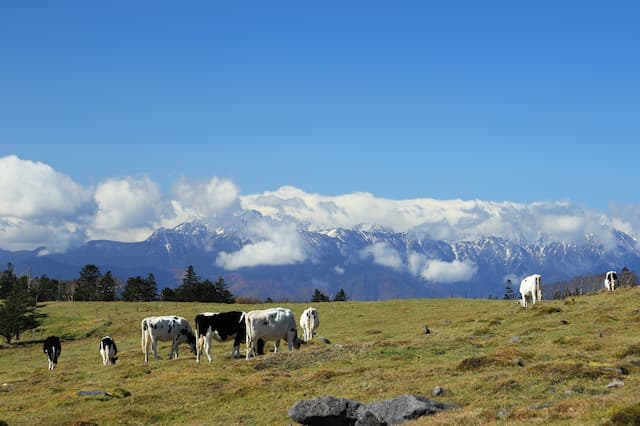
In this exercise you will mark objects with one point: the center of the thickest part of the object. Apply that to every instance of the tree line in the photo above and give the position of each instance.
(19, 296)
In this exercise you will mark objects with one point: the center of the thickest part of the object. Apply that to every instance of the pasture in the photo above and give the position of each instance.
(550, 363)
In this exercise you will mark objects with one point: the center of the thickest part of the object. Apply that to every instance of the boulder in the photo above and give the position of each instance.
(332, 411)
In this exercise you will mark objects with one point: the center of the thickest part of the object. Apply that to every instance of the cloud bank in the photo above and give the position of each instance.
(42, 207)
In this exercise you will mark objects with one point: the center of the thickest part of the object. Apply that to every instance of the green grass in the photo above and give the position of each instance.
(550, 363)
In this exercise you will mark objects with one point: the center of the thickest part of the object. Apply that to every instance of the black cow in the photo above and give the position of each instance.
(221, 326)
(52, 348)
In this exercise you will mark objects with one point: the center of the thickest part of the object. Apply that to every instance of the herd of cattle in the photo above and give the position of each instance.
(253, 327)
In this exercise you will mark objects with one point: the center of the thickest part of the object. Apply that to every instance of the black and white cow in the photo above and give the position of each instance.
(52, 348)
(271, 324)
(166, 328)
(610, 280)
(108, 351)
(221, 326)
(309, 321)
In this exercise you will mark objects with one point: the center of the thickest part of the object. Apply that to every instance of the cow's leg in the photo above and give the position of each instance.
(154, 347)
(250, 348)
(207, 345)
(276, 345)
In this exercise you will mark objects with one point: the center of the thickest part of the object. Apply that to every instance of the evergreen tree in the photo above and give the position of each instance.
(340, 296)
(627, 278)
(47, 289)
(189, 289)
(7, 281)
(107, 286)
(18, 311)
(168, 294)
(87, 288)
(223, 295)
(149, 288)
(133, 289)
(318, 296)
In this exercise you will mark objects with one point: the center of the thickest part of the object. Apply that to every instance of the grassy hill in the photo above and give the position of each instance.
(501, 363)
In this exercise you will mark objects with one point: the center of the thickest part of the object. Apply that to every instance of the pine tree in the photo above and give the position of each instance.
(318, 296)
(188, 290)
(107, 288)
(223, 295)
(133, 289)
(18, 311)
(87, 288)
(340, 296)
(149, 288)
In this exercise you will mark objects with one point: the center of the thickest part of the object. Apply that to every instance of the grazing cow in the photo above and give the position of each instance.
(309, 322)
(221, 326)
(166, 328)
(52, 348)
(271, 324)
(611, 280)
(108, 351)
(531, 286)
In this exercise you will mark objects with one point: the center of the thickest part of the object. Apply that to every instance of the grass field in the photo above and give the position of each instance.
(500, 363)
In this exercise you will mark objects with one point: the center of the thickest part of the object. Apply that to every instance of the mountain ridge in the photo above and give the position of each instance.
(368, 264)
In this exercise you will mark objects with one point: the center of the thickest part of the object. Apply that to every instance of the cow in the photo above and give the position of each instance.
(108, 351)
(531, 286)
(309, 322)
(52, 348)
(221, 326)
(166, 328)
(611, 280)
(271, 324)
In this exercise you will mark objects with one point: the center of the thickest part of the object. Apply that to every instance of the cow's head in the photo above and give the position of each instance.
(296, 339)
(191, 340)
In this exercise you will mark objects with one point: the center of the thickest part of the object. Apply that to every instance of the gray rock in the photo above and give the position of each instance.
(324, 340)
(515, 339)
(332, 411)
(403, 408)
(368, 419)
(616, 384)
(437, 391)
(325, 410)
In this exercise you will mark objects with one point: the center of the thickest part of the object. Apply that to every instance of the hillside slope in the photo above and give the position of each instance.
(551, 363)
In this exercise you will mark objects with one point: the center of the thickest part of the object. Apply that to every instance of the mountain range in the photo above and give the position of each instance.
(368, 263)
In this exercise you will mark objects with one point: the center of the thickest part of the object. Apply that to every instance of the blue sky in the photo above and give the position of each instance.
(497, 101)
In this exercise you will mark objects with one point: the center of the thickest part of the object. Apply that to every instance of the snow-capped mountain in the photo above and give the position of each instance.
(265, 258)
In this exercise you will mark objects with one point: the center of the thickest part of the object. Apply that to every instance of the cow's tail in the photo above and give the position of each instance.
(249, 334)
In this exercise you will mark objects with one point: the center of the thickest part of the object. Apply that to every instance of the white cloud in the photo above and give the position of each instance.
(383, 255)
(204, 201)
(339, 270)
(277, 244)
(440, 271)
(128, 209)
(40, 206)
(34, 190)
(448, 272)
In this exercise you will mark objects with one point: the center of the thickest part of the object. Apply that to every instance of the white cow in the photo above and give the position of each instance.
(108, 351)
(611, 280)
(166, 328)
(309, 322)
(271, 324)
(531, 286)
